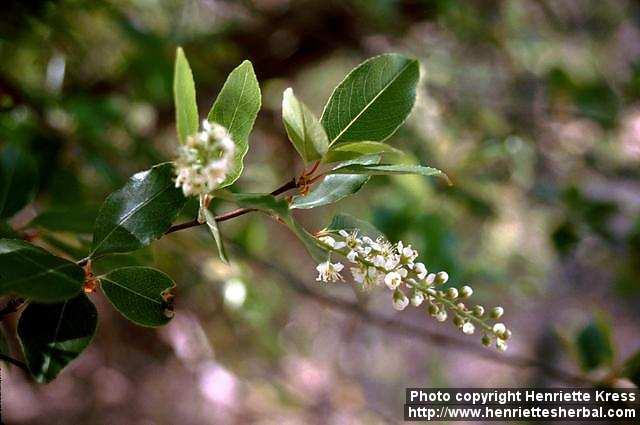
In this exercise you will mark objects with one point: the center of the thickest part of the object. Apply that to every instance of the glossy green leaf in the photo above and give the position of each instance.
(387, 169)
(236, 108)
(303, 128)
(74, 219)
(138, 213)
(184, 95)
(373, 100)
(334, 187)
(18, 180)
(351, 150)
(280, 209)
(215, 232)
(32, 272)
(137, 293)
(52, 335)
(594, 345)
(350, 223)
(631, 369)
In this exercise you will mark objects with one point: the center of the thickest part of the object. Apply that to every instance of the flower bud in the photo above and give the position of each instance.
(458, 321)
(496, 312)
(506, 334)
(441, 315)
(486, 340)
(468, 328)
(417, 297)
(431, 278)
(433, 309)
(452, 293)
(466, 291)
(499, 329)
(441, 278)
(400, 300)
(478, 311)
(501, 344)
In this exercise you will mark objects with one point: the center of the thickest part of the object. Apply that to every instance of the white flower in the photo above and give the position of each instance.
(468, 328)
(400, 300)
(417, 298)
(329, 272)
(441, 315)
(204, 160)
(339, 245)
(421, 270)
(352, 256)
(327, 240)
(501, 344)
(392, 280)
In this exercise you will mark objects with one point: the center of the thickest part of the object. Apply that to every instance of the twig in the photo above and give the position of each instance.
(15, 362)
(411, 330)
(291, 184)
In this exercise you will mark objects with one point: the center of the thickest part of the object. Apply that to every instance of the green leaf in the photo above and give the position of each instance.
(184, 95)
(236, 108)
(52, 335)
(73, 219)
(6, 231)
(32, 272)
(373, 100)
(594, 345)
(215, 232)
(350, 223)
(387, 169)
(303, 128)
(631, 369)
(280, 209)
(137, 293)
(18, 180)
(346, 151)
(138, 213)
(335, 186)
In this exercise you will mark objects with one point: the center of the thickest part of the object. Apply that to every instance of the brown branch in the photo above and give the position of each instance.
(291, 184)
(415, 331)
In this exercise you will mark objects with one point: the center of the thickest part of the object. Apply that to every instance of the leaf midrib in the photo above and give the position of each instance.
(131, 290)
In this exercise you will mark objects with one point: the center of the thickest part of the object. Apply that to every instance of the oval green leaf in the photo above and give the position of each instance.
(32, 272)
(594, 345)
(347, 151)
(52, 335)
(236, 108)
(184, 95)
(303, 128)
(138, 213)
(388, 169)
(373, 100)
(18, 180)
(136, 292)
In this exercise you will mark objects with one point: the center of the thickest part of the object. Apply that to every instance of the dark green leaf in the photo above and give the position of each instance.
(594, 345)
(215, 232)
(7, 231)
(76, 219)
(184, 95)
(631, 369)
(350, 223)
(52, 335)
(137, 293)
(304, 130)
(373, 100)
(139, 213)
(32, 272)
(346, 151)
(236, 108)
(18, 180)
(335, 186)
(280, 209)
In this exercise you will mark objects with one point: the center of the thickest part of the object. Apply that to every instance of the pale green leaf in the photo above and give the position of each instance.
(52, 335)
(304, 130)
(373, 100)
(350, 223)
(215, 232)
(236, 108)
(184, 94)
(388, 169)
(351, 150)
(137, 293)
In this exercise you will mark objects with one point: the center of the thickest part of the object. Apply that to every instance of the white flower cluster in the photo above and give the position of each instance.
(204, 160)
(380, 262)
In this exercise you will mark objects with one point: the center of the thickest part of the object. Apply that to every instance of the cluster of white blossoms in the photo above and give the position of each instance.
(204, 160)
(381, 263)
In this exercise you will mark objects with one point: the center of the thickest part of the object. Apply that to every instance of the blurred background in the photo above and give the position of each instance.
(531, 107)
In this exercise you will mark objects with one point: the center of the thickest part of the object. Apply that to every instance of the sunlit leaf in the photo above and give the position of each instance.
(373, 100)
(32, 272)
(52, 335)
(334, 187)
(236, 108)
(137, 293)
(350, 223)
(215, 232)
(387, 169)
(351, 150)
(184, 93)
(304, 130)
(18, 180)
(138, 213)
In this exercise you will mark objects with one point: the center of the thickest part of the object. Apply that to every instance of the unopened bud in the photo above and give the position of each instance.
(458, 321)
(433, 309)
(486, 340)
(452, 293)
(400, 300)
(417, 297)
(478, 311)
(497, 312)
(499, 329)
(441, 278)
(468, 328)
(441, 315)
(466, 291)
(501, 344)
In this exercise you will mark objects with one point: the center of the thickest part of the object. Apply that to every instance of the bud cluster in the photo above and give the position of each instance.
(204, 160)
(381, 263)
